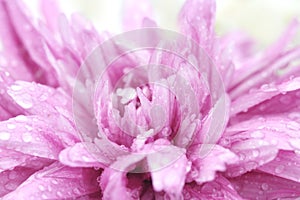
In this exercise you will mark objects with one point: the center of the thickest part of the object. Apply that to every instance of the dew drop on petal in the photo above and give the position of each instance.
(11, 126)
(4, 136)
(76, 191)
(59, 194)
(21, 118)
(295, 143)
(12, 175)
(41, 187)
(257, 134)
(264, 186)
(16, 87)
(255, 153)
(25, 103)
(26, 137)
(279, 169)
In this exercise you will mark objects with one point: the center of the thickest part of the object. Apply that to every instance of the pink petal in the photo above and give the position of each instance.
(10, 159)
(265, 93)
(196, 20)
(220, 188)
(286, 165)
(207, 160)
(32, 40)
(264, 62)
(56, 182)
(134, 13)
(168, 168)
(265, 186)
(80, 155)
(12, 56)
(31, 135)
(113, 179)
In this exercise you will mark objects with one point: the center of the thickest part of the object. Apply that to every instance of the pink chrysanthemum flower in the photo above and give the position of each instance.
(240, 142)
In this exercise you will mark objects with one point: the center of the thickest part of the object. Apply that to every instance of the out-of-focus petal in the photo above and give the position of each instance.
(257, 185)
(57, 182)
(134, 13)
(267, 63)
(196, 19)
(32, 40)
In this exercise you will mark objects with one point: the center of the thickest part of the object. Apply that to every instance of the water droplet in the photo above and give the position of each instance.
(255, 153)
(59, 194)
(257, 134)
(265, 186)
(42, 188)
(279, 169)
(25, 101)
(293, 126)
(4, 136)
(76, 191)
(43, 97)
(54, 182)
(285, 99)
(21, 118)
(12, 175)
(295, 143)
(11, 126)
(16, 87)
(11, 186)
(26, 137)
(29, 128)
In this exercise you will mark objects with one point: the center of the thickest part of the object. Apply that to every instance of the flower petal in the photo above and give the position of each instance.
(134, 13)
(286, 165)
(168, 168)
(248, 74)
(266, 92)
(57, 182)
(32, 135)
(207, 160)
(80, 155)
(257, 185)
(196, 19)
(113, 179)
(220, 188)
(32, 40)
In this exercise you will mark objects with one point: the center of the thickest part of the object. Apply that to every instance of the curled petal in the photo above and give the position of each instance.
(206, 165)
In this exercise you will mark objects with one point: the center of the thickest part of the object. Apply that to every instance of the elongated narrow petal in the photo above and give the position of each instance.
(57, 182)
(265, 186)
(197, 21)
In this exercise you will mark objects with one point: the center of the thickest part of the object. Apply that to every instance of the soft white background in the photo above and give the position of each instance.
(263, 19)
